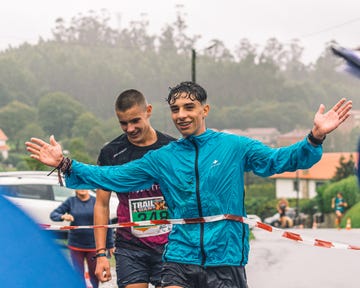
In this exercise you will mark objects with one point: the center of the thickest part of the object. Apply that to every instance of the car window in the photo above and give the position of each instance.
(8, 190)
(62, 193)
(29, 191)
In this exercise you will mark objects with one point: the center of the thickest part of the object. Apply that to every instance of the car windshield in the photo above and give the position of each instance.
(61, 193)
(37, 191)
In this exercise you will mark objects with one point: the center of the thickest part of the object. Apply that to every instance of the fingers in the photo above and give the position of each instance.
(344, 111)
(37, 141)
(102, 271)
(34, 149)
(32, 146)
(106, 275)
(339, 104)
(52, 140)
(343, 107)
(321, 109)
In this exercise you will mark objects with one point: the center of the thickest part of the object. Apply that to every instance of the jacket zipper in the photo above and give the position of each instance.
(199, 202)
(243, 233)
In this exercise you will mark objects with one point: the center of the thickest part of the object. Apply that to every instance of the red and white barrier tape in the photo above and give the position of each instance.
(284, 233)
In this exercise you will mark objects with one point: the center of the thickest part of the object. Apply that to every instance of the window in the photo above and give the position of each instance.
(296, 185)
(8, 190)
(62, 193)
(29, 191)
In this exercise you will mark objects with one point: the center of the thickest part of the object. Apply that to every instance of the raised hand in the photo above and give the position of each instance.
(324, 123)
(49, 154)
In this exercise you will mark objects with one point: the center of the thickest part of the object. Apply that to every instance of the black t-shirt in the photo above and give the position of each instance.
(120, 151)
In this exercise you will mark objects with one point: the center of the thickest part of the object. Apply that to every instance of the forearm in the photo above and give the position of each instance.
(265, 161)
(57, 214)
(101, 217)
(123, 178)
(54, 216)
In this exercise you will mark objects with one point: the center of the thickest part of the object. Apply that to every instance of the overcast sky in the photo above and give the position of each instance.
(313, 22)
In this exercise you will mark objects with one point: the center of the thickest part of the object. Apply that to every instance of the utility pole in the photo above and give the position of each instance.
(193, 65)
(193, 60)
(297, 197)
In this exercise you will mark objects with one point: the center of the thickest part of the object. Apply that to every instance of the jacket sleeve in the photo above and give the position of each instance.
(63, 208)
(135, 175)
(266, 161)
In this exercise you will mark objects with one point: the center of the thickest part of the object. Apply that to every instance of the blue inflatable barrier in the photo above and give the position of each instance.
(30, 257)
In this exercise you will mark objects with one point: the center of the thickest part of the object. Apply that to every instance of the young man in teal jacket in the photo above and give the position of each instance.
(200, 175)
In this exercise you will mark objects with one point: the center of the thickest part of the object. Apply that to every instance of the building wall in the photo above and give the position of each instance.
(4, 154)
(285, 188)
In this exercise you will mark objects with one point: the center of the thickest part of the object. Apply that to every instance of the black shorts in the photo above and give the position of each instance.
(137, 266)
(195, 276)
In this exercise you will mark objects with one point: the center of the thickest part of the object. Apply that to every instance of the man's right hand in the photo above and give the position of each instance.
(48, 154)
(102, 270)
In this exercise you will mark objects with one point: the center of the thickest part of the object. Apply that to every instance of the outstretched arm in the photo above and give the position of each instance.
(324, 123)
(49, 154)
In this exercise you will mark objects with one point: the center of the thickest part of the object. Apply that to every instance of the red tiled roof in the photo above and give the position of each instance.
(3, 136)
(323, 170)
(4, 148)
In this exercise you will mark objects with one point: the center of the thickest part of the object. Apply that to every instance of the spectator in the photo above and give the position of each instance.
(283, 208)
(79, 210)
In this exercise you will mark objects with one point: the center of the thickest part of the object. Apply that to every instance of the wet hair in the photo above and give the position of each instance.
(128, 99)
(192, 90)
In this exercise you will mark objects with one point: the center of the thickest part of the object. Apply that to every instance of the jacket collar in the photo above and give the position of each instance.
(198, 139)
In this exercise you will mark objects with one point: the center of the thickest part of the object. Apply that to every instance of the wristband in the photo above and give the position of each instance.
(64, 167)
(314, 140)
(99, 255)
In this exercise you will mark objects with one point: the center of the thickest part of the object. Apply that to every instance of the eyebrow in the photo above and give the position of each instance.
(130, 121)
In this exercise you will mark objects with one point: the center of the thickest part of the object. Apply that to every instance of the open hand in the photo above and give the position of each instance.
(324, 123)
(49, 154)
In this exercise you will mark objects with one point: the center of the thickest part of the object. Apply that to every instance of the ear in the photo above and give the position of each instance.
(206, 110)
(149, 109)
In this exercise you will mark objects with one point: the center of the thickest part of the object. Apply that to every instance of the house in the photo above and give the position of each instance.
(291, 137)
(303, 183)
(266, 135)
(4, 149)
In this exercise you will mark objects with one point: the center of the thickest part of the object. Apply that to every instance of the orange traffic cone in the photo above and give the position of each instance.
(348, 223)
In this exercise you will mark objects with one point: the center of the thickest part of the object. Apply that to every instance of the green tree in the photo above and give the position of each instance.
(16, 81)
(83, 124)
(95, 141)
(86, 29)
(346, 169)
(58, 112)
(13, 118)
(32, 129)
(76, 148)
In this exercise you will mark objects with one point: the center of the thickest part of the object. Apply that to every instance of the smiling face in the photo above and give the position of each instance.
(135, 122)
(188, 114)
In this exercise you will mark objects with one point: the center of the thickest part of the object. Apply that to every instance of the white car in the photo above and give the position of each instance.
(38, 194)
(253, 217)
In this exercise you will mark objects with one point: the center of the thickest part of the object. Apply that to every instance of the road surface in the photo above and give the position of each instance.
(278, 262)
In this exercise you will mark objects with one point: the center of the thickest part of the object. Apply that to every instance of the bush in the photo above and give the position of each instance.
(261, 206)
(348, 187)
(354, 215)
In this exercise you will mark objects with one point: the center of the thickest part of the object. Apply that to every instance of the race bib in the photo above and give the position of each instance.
(151, 208)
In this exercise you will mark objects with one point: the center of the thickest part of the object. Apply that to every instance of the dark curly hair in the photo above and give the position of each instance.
(192, 90)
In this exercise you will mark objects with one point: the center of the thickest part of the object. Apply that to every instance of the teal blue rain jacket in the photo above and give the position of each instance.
(201, 176)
